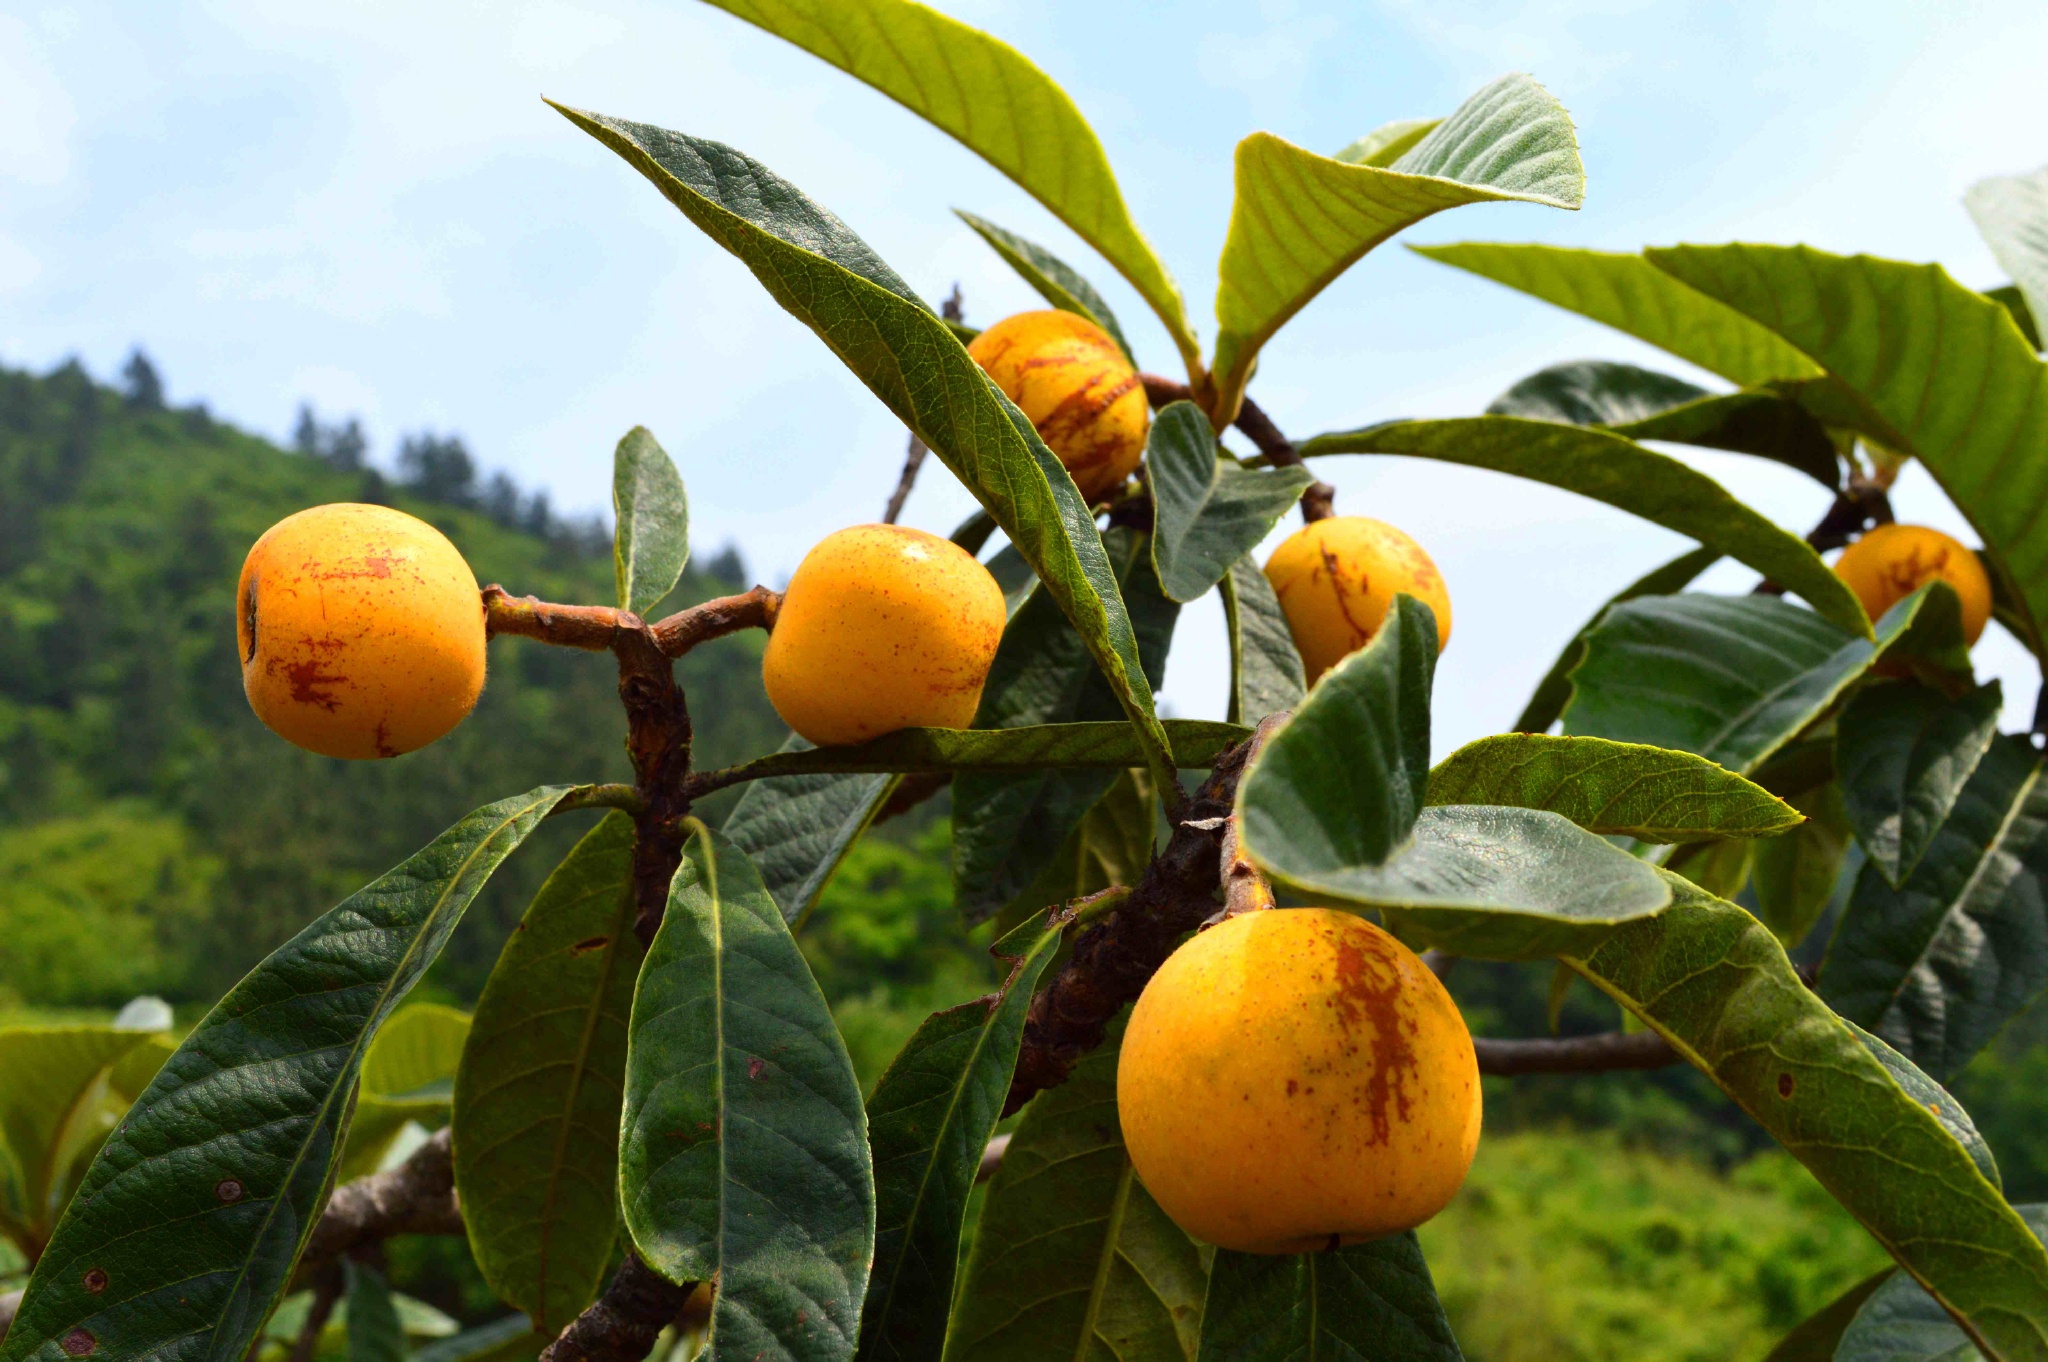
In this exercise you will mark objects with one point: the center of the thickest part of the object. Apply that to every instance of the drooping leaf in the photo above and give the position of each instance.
(1652, 794)
(929, 1120)
(1055, 280)
(198, 1205)
(1554, 691)
(1299, 220)
(1941, 366)
(408, 1075)
(796, 829)
(1009, 827)
(1095, 745)
(1815, 1338)
(1072, 1257)
(1904, 752)
(1731, 678)
(1899, 1322)
(1365, 1301)
(2011, 212)
(53, 1085)
(1631, 295)
(1594, 392)
(743, 1151)
(999, 105)
(1265, 670)
(1387, 143)
(1714, 982)
(1608, 467)
(1937, 965)
(652, 541)
(829, 279)
(1208, 511)
(1795, 872)
(374, 1333)
(536, 1116)
(1332, 807)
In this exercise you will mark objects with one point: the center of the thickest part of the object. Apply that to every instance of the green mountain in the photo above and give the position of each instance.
(153, 835)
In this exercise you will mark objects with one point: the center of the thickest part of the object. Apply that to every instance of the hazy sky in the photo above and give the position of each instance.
(367, 205)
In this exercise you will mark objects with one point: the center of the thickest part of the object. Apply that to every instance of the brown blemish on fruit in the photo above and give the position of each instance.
(307, 679)
(1363, 631)
(1785, 1085)
(95, 1280)
(249, 619)
(1363, 997)
(589, 944)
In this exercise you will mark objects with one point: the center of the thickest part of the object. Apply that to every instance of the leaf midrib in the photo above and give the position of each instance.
(1113, 1231)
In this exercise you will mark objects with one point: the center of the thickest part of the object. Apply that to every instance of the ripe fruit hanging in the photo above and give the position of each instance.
(882, 628)
(1891, 562)
(1294, 1076)
(361, 631)
(1066, 374)
(1336, 580)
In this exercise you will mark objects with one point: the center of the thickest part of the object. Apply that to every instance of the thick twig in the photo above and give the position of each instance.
(1603, 1053)
(1861, 504)
(416, 1197)
(1318, 499)
(913, 456)
(598, 628)
(622, 1324)
(658, 742)
(327, 1288)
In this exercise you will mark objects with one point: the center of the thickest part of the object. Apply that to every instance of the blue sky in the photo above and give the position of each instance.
(367, 205)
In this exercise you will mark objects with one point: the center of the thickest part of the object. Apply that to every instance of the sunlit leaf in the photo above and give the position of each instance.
(652, 541)
(53, 1086)
(1208, 511)
(1055, 280)
(408, 1075)
(2011, 212)
(1904, 752)
(1387, 143)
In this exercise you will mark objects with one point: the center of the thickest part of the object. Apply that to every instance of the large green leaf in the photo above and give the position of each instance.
(1815, 1338)
(1931, 1095)
(1388, 143)
(1094, 745)
(1714, 982)
(1900, 1322)
(929, 1120)
(1111, 845)
(1608, 467)
(1072, 1258)
(374, 1333)
(1332, 807)
(53, 1086)
(408, 1075)
(1208, 511)
(1652, 794)
(1904, 751)
(1299, 220)
(198, 1205)
(1265, 670)
(1795, 873)
(2012, 214)
(1056, 281)
(2012, 300)
(829, 279)
(1732, 678)
(1937, 965)
(1630, 294)
(1554, 691)
(743, 1153)
(536, 1120)
(652, 541)
(1943, 367)
(796, 829)
(1000, 106)
(1367, 1301)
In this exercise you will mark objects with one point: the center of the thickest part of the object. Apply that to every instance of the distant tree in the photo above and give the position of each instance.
(343, 448)
(141, 385)
(727, 565)
(502, 500)
(438, 467)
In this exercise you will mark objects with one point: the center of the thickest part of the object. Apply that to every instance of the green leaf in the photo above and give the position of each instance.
(2011, 212)
(829, 279)
(1099, 745)
(1055, 280)
(1299, 220)
(2012, 300)
(408, 1075)
(1816, 1337)
(1111, 845)
(1388, 143)
(1732, 678)
(1332, 808)
(1713, 981)
(1943, 367)
(54, 1085)
(374, 1333)
(743, 1154)
(1610, 468)
(1365, 1301)
(1631, 295)
(1000, 106)
(1939, 964)
(1073, 1258)
(1208, 511)
(797, 829)
(929, 1120)
(1935, 1098)
(537, 1098)
(1265, 670)
(1904, 752)
(199, 1204)
(1796, 871)
(1648, 793)
(1900, 1322)
(1646, 405)
(652, 541)
(1554, 691)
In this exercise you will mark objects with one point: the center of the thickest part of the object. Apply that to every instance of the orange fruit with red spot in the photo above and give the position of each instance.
(1336, 580)
(1295, 1077)
(361, 631)
(1891, 562)
(1067, 375)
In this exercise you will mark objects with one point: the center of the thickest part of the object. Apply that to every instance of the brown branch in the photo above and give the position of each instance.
(684, 630)
(599, 628)
(416, 1197)
(1318, 499)
(622, 1324)
(913, 457)
(327, 1287)
(1604, 1053)
(1861, 504)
